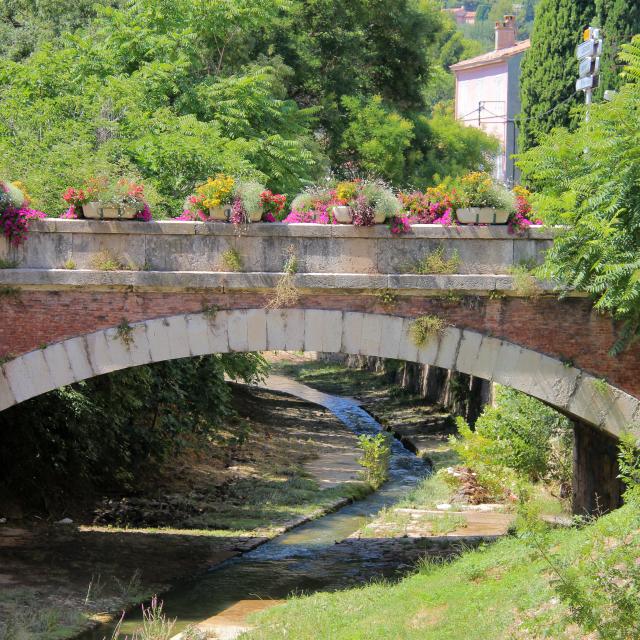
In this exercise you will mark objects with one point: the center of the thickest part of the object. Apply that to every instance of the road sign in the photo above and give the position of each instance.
(588, 49)
(589, 66)
(590, 82)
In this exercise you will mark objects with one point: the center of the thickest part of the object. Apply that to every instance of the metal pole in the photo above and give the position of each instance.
(588, 100)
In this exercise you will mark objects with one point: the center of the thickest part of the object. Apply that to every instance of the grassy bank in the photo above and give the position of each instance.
(506, 590)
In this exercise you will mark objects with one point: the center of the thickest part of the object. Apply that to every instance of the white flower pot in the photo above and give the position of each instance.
(379, 218)
(343, 214)
(221, 212)
(482, 215)
(256, 217)
(98, 211)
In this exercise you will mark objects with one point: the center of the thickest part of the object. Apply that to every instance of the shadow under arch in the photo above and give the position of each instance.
(567, 388)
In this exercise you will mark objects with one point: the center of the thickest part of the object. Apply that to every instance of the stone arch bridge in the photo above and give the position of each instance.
(358, 292)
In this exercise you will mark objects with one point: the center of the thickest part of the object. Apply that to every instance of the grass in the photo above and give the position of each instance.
(524, 283)
(502, 591)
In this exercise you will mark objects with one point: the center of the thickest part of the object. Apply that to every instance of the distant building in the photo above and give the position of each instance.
(462, 16)
(488, 94)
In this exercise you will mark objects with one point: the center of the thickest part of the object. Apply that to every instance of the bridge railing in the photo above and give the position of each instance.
(263, 247)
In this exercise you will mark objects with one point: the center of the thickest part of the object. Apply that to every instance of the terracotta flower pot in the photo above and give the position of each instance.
(482, 215)
(343, 214)
(98, 211)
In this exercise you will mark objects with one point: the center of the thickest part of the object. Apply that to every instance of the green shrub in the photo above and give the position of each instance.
(376, 452)
(424, 328)
(519, 437)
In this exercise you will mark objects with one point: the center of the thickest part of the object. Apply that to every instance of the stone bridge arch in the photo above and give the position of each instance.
(565, 387)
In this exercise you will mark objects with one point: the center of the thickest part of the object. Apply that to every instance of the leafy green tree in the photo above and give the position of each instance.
(620, 21)
(377, 138)
(549, 68)
(595, 196)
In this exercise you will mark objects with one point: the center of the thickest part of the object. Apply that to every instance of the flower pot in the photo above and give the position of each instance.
(257, 216)
(343, 214)
(482, 215)
(379, 218)
(98, 211)
(221, 212)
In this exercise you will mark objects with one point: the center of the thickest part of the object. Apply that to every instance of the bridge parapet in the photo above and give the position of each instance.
(324, 249)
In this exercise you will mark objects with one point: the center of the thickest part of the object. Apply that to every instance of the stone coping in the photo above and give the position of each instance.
(302, 230)
(185, 280)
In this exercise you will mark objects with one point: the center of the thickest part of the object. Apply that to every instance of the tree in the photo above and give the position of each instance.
(549, 67)
(620, 21)
(595, 197)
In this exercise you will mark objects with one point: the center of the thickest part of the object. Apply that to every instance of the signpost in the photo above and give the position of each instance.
(588, 54)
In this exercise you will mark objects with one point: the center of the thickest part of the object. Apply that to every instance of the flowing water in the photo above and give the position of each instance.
(312, 557)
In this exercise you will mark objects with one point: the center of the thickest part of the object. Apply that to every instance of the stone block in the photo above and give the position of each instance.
(59, 365)
(332, 331)
(178, 336)
(352, 332)
(313, 329)
(276, 321)
(371, 334)
(130, 249)
(407, 350)
(198, 330)
(6, 395)
(78, 355)
(238, 331)
(19, 379)
(219, 332)
(37, 368)
(391, 336)
(158, 337)
(592, 400)
(294, 329)
(621, 415)
(256, 330)
(448, 348)
(487, 357)
(468, 352)
(99, 354)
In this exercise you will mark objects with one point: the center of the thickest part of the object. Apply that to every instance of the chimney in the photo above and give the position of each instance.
(506, 32)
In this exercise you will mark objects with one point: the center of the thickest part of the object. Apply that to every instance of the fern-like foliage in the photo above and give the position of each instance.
(590, 183)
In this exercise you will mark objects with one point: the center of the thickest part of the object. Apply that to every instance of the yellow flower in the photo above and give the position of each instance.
(346, 190)
(23, 188)
(216, 191)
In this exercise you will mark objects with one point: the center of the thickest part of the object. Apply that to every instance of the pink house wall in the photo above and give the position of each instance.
(487, 85)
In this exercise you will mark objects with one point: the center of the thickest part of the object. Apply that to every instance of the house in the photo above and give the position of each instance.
(488, 94)
(462, 16)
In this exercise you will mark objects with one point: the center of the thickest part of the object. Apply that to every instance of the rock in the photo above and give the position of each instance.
(443, 507)
(3, 521)
(65, 521)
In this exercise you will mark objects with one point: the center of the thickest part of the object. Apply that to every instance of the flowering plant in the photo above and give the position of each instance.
(272, 205)
(399, 225)
(106, 191)
(15, 213)
(217, 191)
(521, 219)
(315, 204)
(433, 206)
(477, 189)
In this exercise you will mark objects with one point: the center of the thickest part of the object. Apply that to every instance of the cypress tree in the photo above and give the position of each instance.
(549, 67)
(620, 21)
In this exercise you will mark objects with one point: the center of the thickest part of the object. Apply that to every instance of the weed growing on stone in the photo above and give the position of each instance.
(107, 261)
(496, 294)
(8, 264)
(524, 284)
(124, 333)
(601, 386)
(210, 311)
(69, 264)
(7, 357)
(424, 328)
(232, 260)
(286, 293)
(437, 263)
(9, 292)
(387, 297)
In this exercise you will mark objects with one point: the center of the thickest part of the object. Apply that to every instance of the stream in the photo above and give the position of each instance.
(316, 556)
